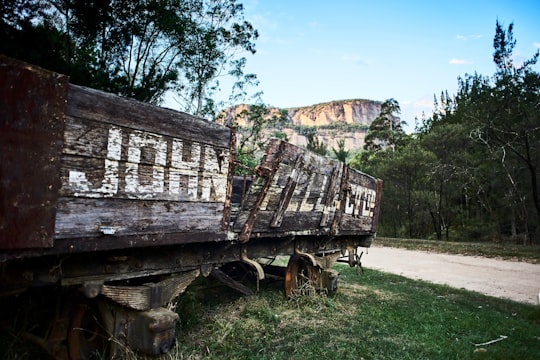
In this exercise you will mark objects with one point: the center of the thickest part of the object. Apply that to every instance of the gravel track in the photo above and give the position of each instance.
(512, 280)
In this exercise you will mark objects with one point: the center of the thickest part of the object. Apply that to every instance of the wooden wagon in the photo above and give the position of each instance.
(120, 205)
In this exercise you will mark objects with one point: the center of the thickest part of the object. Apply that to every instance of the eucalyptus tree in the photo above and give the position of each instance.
(218, 39)
(386, 129)
(341, 153)
(315, 144)
(254, 123)
(141, 49)
(505, 112)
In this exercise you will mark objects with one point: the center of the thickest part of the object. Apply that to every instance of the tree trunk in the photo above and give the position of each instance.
(436, 224)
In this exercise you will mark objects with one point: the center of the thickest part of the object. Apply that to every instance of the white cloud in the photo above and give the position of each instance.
(423, 103)
(455, 61)
(536, 44)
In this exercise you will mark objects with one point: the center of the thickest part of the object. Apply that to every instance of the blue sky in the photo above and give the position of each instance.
(317, 51)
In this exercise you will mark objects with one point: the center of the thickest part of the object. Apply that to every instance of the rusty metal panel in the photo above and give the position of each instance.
(32, 107)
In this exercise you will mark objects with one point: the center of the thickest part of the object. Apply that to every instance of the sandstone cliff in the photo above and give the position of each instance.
(332, 121)
(345, 111)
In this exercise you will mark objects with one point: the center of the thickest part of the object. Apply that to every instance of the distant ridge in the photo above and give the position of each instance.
(333, 121)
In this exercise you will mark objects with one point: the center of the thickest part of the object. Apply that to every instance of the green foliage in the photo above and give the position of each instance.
(140, 49)
(247, 160)
(373, 315)
(386, 130)
(278, 134)
(502, 115)
(314, 144)
(341, 153)
(341, 126)
(260, 119)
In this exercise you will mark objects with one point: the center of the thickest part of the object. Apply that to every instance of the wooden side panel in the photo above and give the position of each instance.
(299, 193)
(360, 204)
(32, 105)
(83, 217)
(310, 195)
(129, 168)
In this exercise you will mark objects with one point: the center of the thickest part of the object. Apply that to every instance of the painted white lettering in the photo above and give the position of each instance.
(139, 140)
(360, 201)
(185, 164)
(190, 176)
(109, 185)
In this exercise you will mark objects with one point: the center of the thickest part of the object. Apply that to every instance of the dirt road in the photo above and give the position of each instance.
(505, 279)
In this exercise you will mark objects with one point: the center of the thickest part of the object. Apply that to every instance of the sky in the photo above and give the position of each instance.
(312, 51)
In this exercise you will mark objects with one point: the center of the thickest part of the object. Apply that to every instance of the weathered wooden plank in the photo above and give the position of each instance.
(32, 103)
(310, 187)
(332, 195)
(230, 282)
(110, 161)
(152, 295)
(265, 182)
(360, 224)
(130, 169)
(87, 138)
(301, 222)
(96, 178)
(360, 203)
(287, 192)
(95, 139)
(103, 242)
(317, 195)
(92, 104)
(300, 186)
(84, 217)
(273, 154)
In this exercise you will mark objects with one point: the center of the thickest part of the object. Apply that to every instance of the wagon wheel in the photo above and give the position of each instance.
(301, 275)
(86, 338)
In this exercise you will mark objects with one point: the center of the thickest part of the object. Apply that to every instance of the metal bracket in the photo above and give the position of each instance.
(309, 257)
(253, 263)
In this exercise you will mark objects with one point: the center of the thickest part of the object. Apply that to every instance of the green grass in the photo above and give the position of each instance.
(373, 316)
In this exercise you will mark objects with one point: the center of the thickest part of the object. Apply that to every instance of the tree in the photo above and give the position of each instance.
(140, 49)
(471, 170)
(259, 120)
(506, 116)
(341, 153)
(218, 36)
(314, 144)
(27, 35)
(386, 129)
